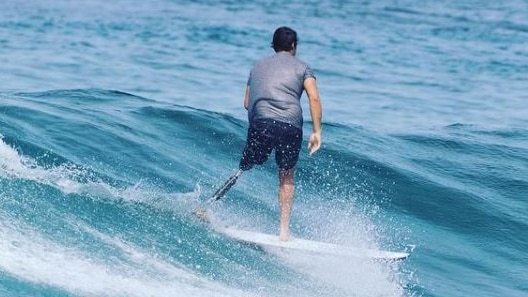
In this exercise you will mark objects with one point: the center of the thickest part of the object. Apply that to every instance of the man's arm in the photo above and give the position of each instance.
(246, 98)
(310, 86)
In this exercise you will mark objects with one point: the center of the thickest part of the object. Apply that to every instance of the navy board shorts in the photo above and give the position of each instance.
(264, 136)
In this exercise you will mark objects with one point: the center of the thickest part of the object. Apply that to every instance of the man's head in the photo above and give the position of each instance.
(284, 39)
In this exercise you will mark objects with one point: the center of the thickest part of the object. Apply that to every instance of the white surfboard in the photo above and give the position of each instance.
(268, 240)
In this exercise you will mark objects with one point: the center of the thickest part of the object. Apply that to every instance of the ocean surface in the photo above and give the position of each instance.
(118, 118)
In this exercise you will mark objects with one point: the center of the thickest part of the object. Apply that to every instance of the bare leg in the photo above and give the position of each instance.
(286, 191)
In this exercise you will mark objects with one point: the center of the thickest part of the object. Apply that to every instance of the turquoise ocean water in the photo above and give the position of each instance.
(118, 117)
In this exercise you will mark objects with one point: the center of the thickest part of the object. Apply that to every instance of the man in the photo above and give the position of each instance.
(272, 98)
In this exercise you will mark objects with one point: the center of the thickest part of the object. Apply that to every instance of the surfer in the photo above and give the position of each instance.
(272, 99)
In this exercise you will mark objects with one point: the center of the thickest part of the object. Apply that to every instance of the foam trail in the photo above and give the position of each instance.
(26, 254)
(354, 276)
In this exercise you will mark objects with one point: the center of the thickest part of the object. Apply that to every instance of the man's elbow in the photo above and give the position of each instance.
(314, 99)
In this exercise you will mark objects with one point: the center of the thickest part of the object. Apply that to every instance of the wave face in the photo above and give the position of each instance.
(118, 119)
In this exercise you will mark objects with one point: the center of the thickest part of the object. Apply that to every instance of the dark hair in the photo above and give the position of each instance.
(283, 38)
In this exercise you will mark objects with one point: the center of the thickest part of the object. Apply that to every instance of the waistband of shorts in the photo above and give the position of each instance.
(273, 122)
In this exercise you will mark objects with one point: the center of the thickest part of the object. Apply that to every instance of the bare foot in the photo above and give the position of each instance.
(285, 237)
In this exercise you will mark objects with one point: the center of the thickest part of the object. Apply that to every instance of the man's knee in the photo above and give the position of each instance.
(286, 177)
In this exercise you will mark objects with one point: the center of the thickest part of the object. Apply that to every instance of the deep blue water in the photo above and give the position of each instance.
(118, 117)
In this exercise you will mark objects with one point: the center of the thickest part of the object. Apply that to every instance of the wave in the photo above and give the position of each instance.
(109, 180)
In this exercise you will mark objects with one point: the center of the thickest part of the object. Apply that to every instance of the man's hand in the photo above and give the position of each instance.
(310, 85)
(314, 143)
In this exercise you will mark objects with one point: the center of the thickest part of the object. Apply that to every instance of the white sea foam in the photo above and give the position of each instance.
(30, 256)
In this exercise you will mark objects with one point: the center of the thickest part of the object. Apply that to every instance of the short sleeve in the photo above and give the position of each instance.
(308, 72)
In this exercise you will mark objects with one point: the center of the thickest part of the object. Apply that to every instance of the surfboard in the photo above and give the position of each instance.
(268, 240)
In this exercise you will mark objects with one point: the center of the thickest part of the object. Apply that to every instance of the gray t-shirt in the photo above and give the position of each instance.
(276, 84)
